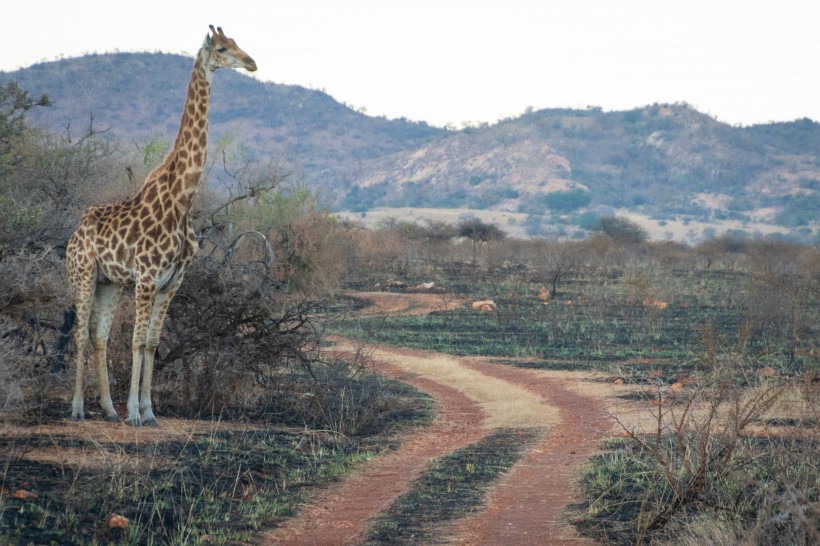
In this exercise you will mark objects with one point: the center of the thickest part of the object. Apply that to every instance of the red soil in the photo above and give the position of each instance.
(339, 513)
(526, 505)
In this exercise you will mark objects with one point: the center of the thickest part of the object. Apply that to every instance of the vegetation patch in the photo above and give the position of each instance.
(769, 496)
(217, 488)
(702, 469)
(453, 487)
(630, 320)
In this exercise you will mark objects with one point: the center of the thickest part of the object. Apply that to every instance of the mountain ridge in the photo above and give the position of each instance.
(662, 160)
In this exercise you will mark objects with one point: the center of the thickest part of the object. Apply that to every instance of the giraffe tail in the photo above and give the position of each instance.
(69, 316)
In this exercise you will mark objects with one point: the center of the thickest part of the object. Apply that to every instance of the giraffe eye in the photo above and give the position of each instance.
(221, 49)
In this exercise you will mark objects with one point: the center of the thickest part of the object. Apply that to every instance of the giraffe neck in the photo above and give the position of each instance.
(177, 180)
(193, 128)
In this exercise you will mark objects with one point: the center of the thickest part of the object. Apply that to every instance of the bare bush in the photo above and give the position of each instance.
(782, 295)
(11, 377)
(341, 394)
(374, 253)
(33, 297)
(238, 345)
(555, 260)
(310, 258)
(701, 457)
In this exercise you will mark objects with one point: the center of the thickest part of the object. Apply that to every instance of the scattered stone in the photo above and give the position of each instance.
(484, 305)
(424, 287)
(117, 521)
(767, 372)
(684, 379)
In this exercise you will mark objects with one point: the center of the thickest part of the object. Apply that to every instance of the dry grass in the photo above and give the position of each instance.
(108, 437)
(402, 303)
(513, 222)
(510, 222)
(507, 405)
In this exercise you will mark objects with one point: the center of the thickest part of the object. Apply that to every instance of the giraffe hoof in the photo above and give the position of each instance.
(112, 418)
(77, 417)
(133, 422)
(150, 423)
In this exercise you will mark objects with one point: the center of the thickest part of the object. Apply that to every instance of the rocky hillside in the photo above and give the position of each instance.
(664, 161)
(140, 96)
(492, 168)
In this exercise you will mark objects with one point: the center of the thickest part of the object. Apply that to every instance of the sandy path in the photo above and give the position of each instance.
(338, 513)
(473, 396)
(526, 506)
(403, 303)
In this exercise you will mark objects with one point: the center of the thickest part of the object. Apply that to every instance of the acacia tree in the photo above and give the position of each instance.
(621, 230)
(479, 233)
(14, 104)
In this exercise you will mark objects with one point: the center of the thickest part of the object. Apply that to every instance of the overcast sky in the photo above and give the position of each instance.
(455, 61)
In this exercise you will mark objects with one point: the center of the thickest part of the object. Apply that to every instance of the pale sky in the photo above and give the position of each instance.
(455, 61)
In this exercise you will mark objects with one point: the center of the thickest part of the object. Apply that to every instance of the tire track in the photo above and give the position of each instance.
(339, 514)
(526, 505)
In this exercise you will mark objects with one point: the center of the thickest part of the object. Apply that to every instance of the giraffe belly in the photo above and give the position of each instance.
(114, 273)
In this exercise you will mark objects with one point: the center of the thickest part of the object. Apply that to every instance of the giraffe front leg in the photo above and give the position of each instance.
(144, 295)
(160, 308)
(133, 404)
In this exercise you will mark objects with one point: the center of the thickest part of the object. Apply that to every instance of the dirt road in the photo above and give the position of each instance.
(473, 396)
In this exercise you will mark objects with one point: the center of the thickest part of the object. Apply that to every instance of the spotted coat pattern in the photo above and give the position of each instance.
(147, 241)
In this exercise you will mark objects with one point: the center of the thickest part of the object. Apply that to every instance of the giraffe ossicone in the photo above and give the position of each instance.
(146, 241)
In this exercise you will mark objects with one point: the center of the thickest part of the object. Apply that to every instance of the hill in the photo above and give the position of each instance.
(661, 160)
(668, 162)
(140, 96)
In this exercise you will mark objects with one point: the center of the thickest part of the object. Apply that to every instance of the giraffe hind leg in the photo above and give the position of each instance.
(83, 288)
(81, 341)
(106, 297)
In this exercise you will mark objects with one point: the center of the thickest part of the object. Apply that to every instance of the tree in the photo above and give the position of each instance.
(555, 259)
(621, 230)
(14, 103)
(52, 179)
(479, 233)
(47, 179)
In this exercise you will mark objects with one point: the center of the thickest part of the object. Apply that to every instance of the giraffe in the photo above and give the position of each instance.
(146, 241)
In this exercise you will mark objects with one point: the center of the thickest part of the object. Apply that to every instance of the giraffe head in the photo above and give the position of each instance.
(224, 53)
